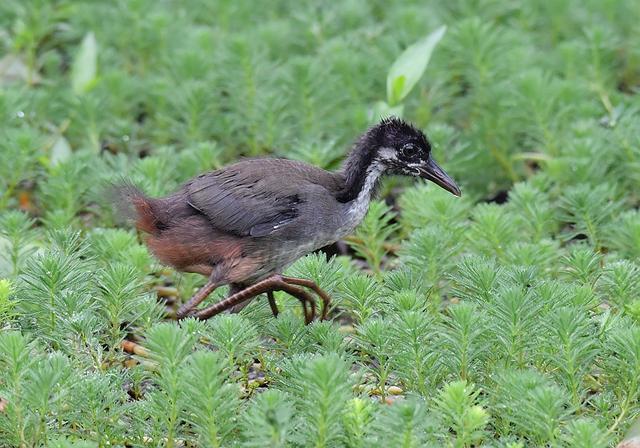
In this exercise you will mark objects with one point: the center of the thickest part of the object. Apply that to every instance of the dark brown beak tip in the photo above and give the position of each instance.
(438, 176)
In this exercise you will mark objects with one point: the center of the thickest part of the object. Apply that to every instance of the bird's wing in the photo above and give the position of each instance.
(251, 198)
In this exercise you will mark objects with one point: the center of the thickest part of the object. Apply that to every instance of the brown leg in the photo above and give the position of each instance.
(197, 298)
(273, 305)
(239, 307)
(273, 283)
(237, 298)
(326, 300)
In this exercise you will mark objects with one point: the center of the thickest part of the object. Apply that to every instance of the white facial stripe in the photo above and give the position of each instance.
(387, 154)
(412, 168)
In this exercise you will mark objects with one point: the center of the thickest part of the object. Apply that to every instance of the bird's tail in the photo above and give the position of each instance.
(132, 204)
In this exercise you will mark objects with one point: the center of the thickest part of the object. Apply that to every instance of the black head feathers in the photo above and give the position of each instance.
(391, 137)
(395, 133)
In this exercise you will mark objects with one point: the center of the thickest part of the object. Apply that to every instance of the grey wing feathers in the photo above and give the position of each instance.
(241, 203)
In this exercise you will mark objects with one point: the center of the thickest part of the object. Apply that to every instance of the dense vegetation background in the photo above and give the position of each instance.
(507, 318)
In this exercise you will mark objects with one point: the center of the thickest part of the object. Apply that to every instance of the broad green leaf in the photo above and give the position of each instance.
(60, 151)
(410, 65)
(84, 70)
(397, 87)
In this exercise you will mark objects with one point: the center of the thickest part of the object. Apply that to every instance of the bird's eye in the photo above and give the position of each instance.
(409, 150)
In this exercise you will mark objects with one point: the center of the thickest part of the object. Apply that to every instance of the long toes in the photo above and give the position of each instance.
(303, 304)
(313, 286)
(184, 314)
(204, 314)
(308, 315)
(313, 310)
(273, 306)
(181, 314)
(325, 308)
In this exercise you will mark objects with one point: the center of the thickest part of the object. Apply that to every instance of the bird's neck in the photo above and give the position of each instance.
(361, 171)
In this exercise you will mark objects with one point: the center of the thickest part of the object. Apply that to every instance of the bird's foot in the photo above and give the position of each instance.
(326, 299)
(292, 286)
(187, 309)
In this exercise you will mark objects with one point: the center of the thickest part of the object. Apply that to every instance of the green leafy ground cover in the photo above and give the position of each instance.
(507, 318)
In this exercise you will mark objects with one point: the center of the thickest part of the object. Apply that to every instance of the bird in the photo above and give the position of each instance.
(242, 225)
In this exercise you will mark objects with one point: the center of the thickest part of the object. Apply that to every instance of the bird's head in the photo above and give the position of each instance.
(404, 149)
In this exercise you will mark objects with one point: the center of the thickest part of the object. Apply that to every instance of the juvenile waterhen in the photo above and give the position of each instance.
(242, 225)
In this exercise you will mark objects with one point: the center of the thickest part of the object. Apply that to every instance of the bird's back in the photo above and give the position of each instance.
(275, 209)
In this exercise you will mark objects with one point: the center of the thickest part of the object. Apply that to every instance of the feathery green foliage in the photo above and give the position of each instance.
(509, 317)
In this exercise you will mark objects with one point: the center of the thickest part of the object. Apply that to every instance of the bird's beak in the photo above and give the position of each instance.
(435, 174)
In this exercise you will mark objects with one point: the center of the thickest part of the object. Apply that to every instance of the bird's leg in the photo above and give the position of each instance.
(239, 307)
(273, 305)
(326, 299)
(234, 288)
(247, 293)
(273, 283)
(196, 299)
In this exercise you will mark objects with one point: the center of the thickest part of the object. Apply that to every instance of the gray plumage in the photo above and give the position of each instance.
(255, 217)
